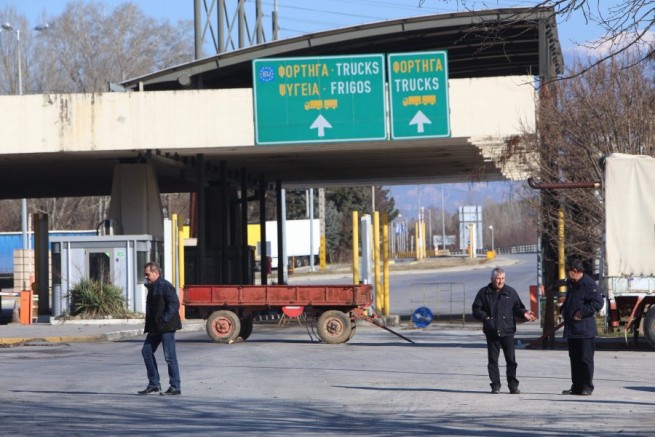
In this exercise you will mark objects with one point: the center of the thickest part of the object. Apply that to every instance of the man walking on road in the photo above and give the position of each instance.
(162, 320)
(497, 306)
(580, 306)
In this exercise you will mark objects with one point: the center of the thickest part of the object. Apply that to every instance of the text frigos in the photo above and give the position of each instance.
(350, 87)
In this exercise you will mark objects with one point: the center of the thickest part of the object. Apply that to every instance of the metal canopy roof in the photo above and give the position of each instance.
(500, 42)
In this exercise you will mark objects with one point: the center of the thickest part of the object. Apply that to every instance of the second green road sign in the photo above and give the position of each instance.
(319, 99)
(418, 90)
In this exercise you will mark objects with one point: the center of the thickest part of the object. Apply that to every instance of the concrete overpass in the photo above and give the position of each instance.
(192, 125)
(68, 144)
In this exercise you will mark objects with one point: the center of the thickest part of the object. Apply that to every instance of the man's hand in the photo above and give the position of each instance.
(529, 316)
(577, 315)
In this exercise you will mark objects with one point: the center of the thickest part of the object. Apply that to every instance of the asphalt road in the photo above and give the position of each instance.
(281, 383)
(446, 292)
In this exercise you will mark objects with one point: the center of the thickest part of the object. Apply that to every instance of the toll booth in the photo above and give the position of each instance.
(115, 259)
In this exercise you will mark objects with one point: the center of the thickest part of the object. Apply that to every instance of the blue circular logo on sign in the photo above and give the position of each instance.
(266, 74)
(422, 317)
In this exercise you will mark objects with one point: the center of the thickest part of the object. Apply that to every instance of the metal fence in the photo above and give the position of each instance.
(525, 248)
(446, 300)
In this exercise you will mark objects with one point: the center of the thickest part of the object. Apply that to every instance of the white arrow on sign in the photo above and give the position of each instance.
(420, 119)
(320, 124)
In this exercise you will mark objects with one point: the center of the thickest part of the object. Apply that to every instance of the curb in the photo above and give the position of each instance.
(19, 341)
(91, 338)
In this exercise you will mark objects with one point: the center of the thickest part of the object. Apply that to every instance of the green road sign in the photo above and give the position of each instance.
(418, 90)
(319, 99)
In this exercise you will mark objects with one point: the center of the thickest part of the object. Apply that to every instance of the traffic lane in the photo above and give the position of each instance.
(448, 291)
(452, 291)
(281, 383)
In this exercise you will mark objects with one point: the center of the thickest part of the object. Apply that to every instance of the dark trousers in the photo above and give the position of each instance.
(494, 345)
(150, 345)
(581, 354)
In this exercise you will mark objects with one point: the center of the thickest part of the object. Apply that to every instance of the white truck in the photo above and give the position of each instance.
(298, 238)
(629, 276)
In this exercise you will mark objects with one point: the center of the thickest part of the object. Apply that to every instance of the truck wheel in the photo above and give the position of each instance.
(246, 328)
(334, 327)
(649, 326)
(223, 326)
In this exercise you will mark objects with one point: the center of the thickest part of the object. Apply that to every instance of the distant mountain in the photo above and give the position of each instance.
(409, 197)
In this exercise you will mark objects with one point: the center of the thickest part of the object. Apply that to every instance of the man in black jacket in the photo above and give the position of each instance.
(162, 320)
(496, 306)
(580, 306)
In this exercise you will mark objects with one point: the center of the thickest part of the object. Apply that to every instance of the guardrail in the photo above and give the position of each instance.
(524, 248)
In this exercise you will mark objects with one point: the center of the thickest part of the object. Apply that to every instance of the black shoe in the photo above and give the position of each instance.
(495, 391)
(150, 389)
(585, 392)
(172, 391)
(570, 392)
(515, 391)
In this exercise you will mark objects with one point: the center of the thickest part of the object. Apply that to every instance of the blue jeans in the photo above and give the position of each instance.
(150, 346)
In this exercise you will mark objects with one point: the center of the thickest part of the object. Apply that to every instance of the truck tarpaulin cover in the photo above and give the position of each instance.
(630, 215)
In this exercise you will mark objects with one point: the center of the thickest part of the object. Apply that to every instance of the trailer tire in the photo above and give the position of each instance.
(353, 330)
(334, 327)
(246, 328)
(649, 326)
(223, 326)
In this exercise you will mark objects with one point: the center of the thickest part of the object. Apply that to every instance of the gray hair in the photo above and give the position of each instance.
(495, 272)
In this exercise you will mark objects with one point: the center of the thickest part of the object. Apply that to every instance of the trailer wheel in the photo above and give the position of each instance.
(334, 327)
(353, 330)
(223, 326)
(246, 328)
(649, 326)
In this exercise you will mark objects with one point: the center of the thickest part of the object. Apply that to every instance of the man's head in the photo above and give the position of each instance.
(498, 278)
(152, 271)
(574, 269)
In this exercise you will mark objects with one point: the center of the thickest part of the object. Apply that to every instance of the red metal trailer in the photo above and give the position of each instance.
(230, 309)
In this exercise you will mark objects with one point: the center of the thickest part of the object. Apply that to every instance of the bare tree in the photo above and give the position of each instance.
(514, 222)
(83, 49)
(86, 47)
(628, 25)
(608, 109)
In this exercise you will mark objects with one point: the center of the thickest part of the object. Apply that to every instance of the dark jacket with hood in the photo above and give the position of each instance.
(497, 310)
(162, 308)
(581, 296)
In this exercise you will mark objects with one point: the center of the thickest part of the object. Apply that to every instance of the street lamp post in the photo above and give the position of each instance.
(10, 28)
(492, 237)
(23, 202)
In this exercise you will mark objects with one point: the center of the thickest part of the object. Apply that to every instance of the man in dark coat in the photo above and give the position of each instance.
(580, 306)
(497, 306)
(162, 320)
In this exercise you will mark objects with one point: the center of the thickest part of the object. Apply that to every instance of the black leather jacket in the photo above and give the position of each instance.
(498, 310)
(162, 308)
